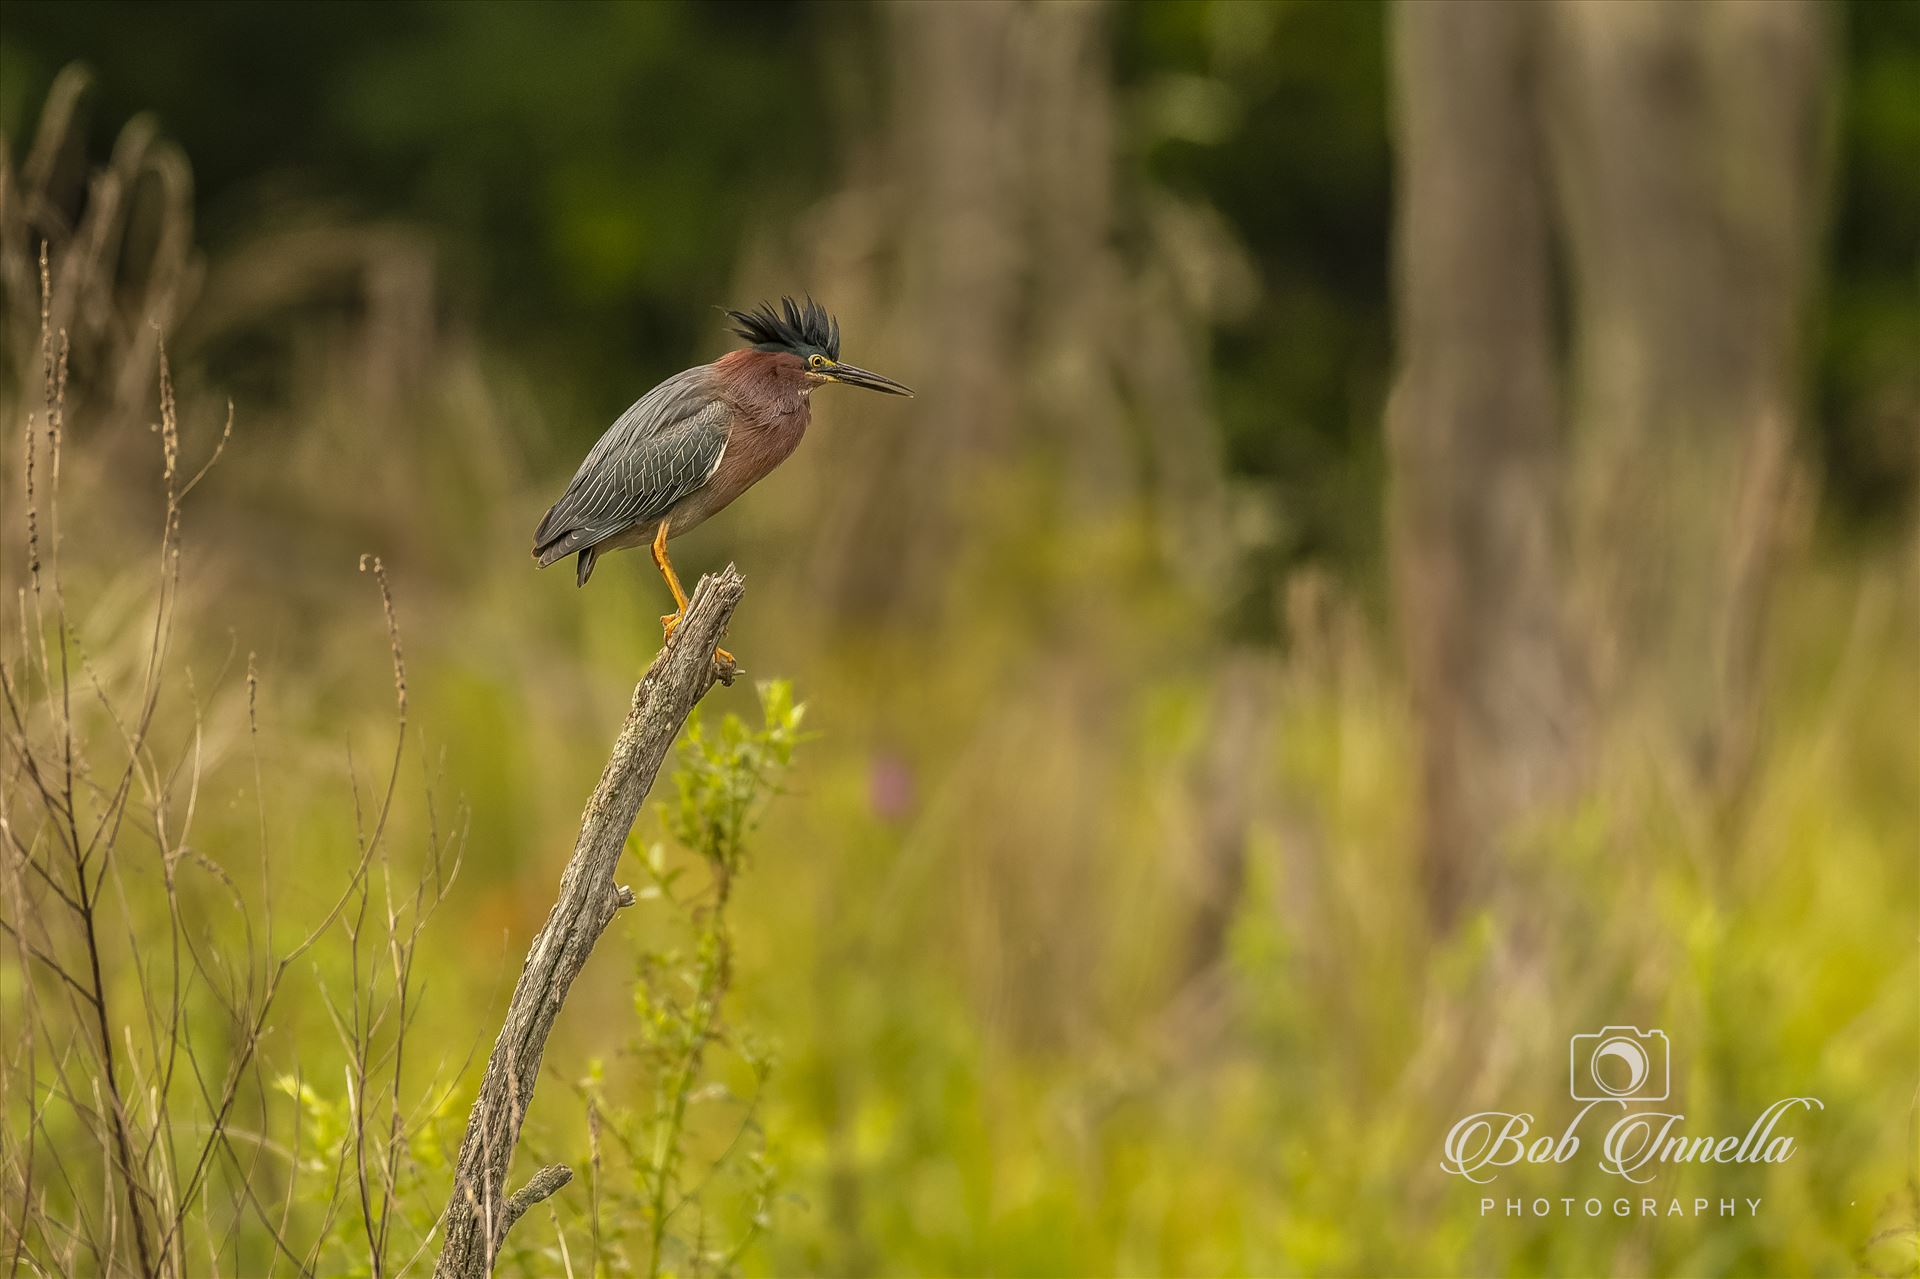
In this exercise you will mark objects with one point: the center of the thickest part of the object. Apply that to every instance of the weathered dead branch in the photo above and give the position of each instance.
(479, 1213)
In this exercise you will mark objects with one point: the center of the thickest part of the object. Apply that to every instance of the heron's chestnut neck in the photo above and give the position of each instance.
(768, 388)
(752, 370)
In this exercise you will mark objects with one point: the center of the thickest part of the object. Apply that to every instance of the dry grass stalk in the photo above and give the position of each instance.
(140, 1115)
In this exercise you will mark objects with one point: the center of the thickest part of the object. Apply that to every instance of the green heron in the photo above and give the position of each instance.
(698, 440)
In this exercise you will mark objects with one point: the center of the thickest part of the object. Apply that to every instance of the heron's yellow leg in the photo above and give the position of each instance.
(671, 620)
(665, 566)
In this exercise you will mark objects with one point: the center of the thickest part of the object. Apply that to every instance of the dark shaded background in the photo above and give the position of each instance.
(588, 172)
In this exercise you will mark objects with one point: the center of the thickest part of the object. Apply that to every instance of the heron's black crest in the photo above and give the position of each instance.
(799, 327)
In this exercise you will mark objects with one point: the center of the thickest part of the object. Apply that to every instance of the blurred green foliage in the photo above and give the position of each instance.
(1229, 97)
(677, 1176)
(1867, 385)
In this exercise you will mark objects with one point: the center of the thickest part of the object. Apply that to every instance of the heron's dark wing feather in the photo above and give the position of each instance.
(662, 449)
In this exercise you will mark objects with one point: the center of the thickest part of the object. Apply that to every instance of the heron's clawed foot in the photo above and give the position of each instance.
(721, 657)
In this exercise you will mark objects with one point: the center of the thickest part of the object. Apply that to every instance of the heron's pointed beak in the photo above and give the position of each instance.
(871, 381)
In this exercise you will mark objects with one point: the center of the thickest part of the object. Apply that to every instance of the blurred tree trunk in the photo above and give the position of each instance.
(1052, 319)
(1687, 150)
(1473, 436)
(953, 153)
(1692, 157)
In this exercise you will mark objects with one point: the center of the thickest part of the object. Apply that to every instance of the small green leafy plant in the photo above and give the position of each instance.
(682, 1184)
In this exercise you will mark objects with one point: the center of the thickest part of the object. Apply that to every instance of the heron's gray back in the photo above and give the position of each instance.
(662, 449)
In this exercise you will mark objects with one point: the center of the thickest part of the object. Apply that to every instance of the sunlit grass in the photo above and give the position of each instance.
(962, 930)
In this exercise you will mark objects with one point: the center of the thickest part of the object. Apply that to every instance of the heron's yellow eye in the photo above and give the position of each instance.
(817, 360)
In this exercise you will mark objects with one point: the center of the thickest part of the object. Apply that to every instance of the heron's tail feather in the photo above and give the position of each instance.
(551, 544)
(584, 542)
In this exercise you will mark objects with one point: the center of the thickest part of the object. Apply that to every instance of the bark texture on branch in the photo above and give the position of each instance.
(479, 1212)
